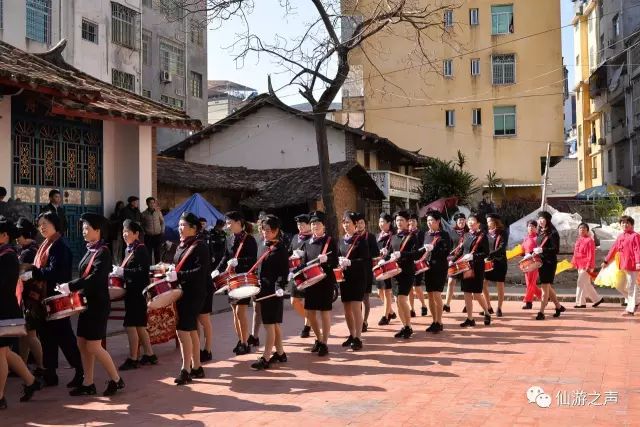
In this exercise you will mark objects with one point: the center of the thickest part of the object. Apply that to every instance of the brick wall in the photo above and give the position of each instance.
(350, 147)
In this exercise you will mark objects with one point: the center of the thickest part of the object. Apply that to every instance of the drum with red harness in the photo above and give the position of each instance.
(246, 285)
(533, 261)
(390, 268)
(117, 285)
(462, 266)
(162, 292)
(61, 306)
(422, 264)
(338, 272)
(313, 273)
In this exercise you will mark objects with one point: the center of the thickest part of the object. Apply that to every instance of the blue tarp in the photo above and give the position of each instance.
(195, 204)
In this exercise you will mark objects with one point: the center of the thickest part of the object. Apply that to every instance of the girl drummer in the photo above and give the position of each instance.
(192, 258)
(385, 287)
(319, 297)
(135, 271)
(241, 254)
(437, 244)
(531, 277)
(460, 229)
(475, 248)
(548, 242)
(497, 237)
(354, 261)
(295, 250)
(273, 274)
(9, 309)
(417, 291)
(372, 245)
(95, 267)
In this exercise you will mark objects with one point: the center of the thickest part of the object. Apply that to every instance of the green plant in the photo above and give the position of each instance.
(446, 179)
(462, 159)
(609, 208)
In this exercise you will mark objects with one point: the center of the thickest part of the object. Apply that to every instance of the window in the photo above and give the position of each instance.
(146, 93)
(606, 123)
(196, 34)
(594, 167)
(476, 117)
(450, 118)
(580, 167)
(196, 84)
(504, 121)
(447, 68)
(147, 3)
(610, 161)
(615, 26)
(172, 9)
(504, 69)
(171, 58)
(90, 31)
(502, 19)
(123, 25)
(473, 17)
(448, 18)
(39, 20)
(475, 66)
(146, 47)
(1, 17)
(173, 102)
(123, 80)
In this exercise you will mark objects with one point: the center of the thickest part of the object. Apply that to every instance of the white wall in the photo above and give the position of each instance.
(121, 165)
(267, 139)
(5, 143)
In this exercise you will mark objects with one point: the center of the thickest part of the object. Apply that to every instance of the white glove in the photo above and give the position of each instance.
(381, 262)
(467, 257)
(26, 276)
(214, 274)
(384, 252)
(118, 271)
(537, 251)
(63, 288)
(395, 255)
(428, 247)
(290, 277)
(233, 262)
(299, 253)
(450, 263)
(344, 262)
(322, 258)
(171, 276)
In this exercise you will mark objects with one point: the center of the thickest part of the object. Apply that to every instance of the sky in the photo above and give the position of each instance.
(269, 19)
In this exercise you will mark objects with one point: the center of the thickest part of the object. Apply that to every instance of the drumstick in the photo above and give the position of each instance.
(278, 293)
(316, 259)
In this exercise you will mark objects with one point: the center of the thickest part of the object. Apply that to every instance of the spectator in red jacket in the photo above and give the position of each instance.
(584, 260)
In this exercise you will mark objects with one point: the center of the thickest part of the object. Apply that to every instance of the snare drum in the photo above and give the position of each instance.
(488, 265)
(13, 327)
(294, 262)
(339, 273)
(309, 276)
(61, 306)
(243, 285)
(459, 267)
(375, 261)
(387, 270)
(162, 293)
(422, 265)
(221, 279)
(117, 288)
(530, 264)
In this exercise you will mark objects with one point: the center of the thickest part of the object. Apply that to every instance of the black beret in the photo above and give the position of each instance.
(458, 216)
(7, 226)
(132, 225)
(234, 216)
(494, 216)
(434, 214)
(25, 228)
(351, 216)
(96, 221)
(317, 216)
(302, 218)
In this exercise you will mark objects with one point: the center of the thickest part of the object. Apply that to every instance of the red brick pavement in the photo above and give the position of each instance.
(470, 377)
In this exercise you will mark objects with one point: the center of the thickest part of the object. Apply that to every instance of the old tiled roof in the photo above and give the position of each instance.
(75, 93)
(254, 105)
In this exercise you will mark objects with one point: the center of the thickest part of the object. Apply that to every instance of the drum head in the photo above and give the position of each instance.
(116, 294)
(244, 292)
(389, 274)
(312, 281)
(13, 331)
(165, 299)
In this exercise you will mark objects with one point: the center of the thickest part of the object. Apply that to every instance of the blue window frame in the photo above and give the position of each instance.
(39, 20)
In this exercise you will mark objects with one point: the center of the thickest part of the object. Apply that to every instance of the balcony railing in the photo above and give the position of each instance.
(395, 184)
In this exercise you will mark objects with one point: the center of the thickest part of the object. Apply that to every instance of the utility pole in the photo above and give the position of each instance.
(545, 179)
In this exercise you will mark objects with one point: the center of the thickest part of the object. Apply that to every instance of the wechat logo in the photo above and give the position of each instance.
(536, 394)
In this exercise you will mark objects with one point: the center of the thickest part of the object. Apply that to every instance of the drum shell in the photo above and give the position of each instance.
(61, 306)
(422, 265)
(530, 264)
(459, 267)
(387, 270)
(488, 265)
(309, 276)
(240, 281)
(294, 262)
(159, 288)
(221, 279)
(117, 288)
(339, 274)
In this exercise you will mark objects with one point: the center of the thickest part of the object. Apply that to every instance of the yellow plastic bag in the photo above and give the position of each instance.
(517, 250)
(563, 265)
(612, 277)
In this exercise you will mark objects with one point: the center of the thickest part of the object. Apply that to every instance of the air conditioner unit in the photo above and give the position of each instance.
(602, 141)
(165, 77)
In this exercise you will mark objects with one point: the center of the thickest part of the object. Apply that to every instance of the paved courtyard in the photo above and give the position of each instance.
(470, 377)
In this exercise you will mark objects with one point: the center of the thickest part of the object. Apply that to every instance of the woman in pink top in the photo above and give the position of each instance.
(584, 260)
(627, 245)
(531, 278)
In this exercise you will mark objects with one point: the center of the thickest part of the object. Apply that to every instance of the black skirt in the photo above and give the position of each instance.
(207, 306)
(434, 279)
(474, 284)
(271, 310)
(352, 291)
(92, 325)
(404, 282)
(547, 273)
(295, 292)
(498, 274)
(188, 311)
(135, 309)
(384, 284)
(319, 296)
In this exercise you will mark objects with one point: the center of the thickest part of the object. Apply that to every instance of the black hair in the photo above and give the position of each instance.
(626, 219)
(96, 221)
(119, 205)
(474, 216)
(547, 216)
(7, 226)
(3, 192)
(403, 214)
(532, 222)
(584, 224)
(53, 193)
(25, 228)
(386, 217)
(219, 223)
(351, 216)
(53, 218)
(273, 222)
(202, 219)
(485, 192)
(132, 226)
(434, 214)
(237, 216)
(191, 219)
(132, 199)
(149, 199)
(497, 219)
(415, 216)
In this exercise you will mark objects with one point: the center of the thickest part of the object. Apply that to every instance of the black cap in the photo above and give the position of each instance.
(132, 199)
(317, 216)
(433, 214)
(302, 218)
(494, 216)
(96, 221)
(132, 225)
(352, 216)
(458, 216)
(234, 216)
(360, 216)
(25, 228)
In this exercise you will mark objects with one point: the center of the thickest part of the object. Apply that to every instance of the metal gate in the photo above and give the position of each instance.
(53, 153)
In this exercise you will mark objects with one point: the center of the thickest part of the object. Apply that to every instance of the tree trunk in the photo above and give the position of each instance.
(325, 174)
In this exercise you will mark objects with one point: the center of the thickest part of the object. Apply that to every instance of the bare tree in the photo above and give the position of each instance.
(318, 60)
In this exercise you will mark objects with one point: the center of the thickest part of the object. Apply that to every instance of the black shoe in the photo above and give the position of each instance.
(29, 390)
(323, 350)
(499, 312)
(83, 390)
(3, 403)
(399, 334)
(253, 341)
(235, 349)
(482, 313)
(624, 304)
(197, 373)
(348, 342)
(487, 319)
(260, 364)
(183, 378)
(558, 311)
(384, 320)
(316, 347)
(150, 360)
(595, 304)
(424, 311)
(540, 316)
(243, 349)
(468, 322)
(356, 344)
(580, 306)
(113, 386)
(408, 331)
(128, 365)
(76, 382)
(446, 308)
(49, 379)
(440, 327)
(413, 313)
(38, 372)
(365, 326)
(432, 327)
(278, 358)
(464, 310)
(205, 356)
(306, 332)
(392, 316)
(527, 306)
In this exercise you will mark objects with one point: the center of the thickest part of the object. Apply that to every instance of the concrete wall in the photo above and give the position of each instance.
(267, 139)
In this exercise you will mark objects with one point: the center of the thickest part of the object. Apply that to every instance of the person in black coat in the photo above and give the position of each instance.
(273, 273)
(53, 265)
(416, 291)
(192, 273)
(93, 283)
(204, 318)
(437, 244)
(385, 287)
(135, 272)
(372, 245)
(9, 309)
(497, 236)
(295, 250)
(548, 242)
(354, 261)
(475, 248)
(55, 206)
